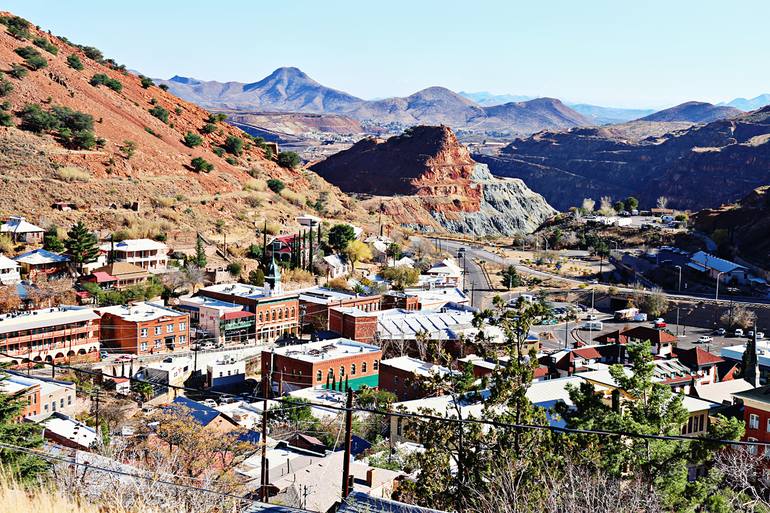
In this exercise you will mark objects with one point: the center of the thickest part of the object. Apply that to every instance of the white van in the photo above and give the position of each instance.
(592, 325)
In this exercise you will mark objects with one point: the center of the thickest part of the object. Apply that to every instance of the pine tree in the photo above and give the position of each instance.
(749, 362)
(264, 246)
(310, 250)
(21, 466)
(200, 253)
(51, 241)
(82, 245)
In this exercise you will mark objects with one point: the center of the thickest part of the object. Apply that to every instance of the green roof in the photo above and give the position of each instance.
(370, 381)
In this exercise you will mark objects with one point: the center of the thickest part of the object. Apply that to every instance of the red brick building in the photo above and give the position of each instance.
(756, 408)
(400, 300)
(352, 323)
(27, 394)
(144, 328)
(60, 334)
(315, 305)
(321, 364)
(409, 377)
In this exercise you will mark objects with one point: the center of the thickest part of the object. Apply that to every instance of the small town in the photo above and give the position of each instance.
(385, 288)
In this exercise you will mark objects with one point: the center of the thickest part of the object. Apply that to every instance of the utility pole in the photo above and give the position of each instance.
(97, 414)
(265, 472)
(348, 440)
(566, 333)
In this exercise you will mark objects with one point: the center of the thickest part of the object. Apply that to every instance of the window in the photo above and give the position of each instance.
(752, 449)
(61, 402)
(768, 425)
(352, 369)
(342, 370)
(69, 400)
(767, 452)
(363, 368)
(376, 365)
(182, 339)
(53, 405)
(318, 375)
(169, 328)
(753, 421)
(182, 326)
(143, 332)
(144, 346)
(158, 330)
(157, 342)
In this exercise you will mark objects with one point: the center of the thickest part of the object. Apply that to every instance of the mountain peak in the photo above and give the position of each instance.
(694, 112)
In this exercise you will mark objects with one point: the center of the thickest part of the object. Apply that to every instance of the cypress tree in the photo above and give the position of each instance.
(347, 387)
(82, 246)
(200, 253)
(264, 246)
(310, 251)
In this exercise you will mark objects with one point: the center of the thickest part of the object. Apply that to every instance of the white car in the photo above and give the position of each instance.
(211, 403)
(704, 339)
(760, 335)
(738, 332)
(590, 317)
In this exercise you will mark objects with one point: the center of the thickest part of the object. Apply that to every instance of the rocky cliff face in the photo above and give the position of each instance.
(427, 181)
(698, 167)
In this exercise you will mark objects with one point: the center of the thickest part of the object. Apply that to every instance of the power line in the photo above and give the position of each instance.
(454, 420)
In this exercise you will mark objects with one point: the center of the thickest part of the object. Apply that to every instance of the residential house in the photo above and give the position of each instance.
(335, 266)
(726, 271)
(144, 328)
(359, 502)
(283, 247)
(307, 442)
(321, 364)
(205, 416)
(52, 395)
(150, 255)
(434, 298)
(721, 392)
(9, 271)
(172, 370)
(225, 374)
(19, 230)
(408, 378)
(66, 431)
(447, 272)
(734, 354)
(61, 334)
(42, 262)
(702, 364)
(27, 394)
(217, 320)
(662, 341)
(117, 275)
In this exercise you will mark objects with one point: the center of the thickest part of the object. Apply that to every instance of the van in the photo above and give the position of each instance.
(592, 325)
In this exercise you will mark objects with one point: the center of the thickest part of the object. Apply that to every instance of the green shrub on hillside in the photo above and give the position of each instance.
(216, 118)
(93, 53)
(46, 45)
(72, 128)
(201, 165)
(74, 62)
(18, 71)
(32, 58)
(192, 140)
(17, 26)
(209, 128)
(106, 80)
(289, 159)
(5, 86)
(275, 185)
(234, 145)
(160, 113)
(145, 81)
(164, 87)
(219, 151)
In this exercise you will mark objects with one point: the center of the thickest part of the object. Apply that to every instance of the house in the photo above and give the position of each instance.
(662, 342)
(434, 298)
(9, 271)
(42, 262)
(734, 354)
(172, 370)
(61, 334)
(308, 221)
(316, 302)
(322, 364)
(66, 431)
(19, 230)
(756, 410)
(205, 416)
(335, 266)
(726, 271)
(307, 442)
(359, 502)
(285, 247)
(218, 320)
(408, 377)
(447, 272)
(704, 365)
(276, 314)
(26, 393)
(150, 255)
(117, 275)
(225, 374)
(144, 328)
(52, 395)
(721, 392)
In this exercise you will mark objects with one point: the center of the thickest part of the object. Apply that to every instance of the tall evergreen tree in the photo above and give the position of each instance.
(13, 431)
(51, 241)
(310, 250)
(82, 245)
(264, 246)
(749, 361)
(200, 253)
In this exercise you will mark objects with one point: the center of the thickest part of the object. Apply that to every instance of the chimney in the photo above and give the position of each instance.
(370, 477)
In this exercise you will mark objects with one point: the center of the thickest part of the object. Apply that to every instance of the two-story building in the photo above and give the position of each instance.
(217, 320)
(59, 334)
(756, 411)
(42, 262)
(316, 302)
(144, 328)
(410, 378)
(9, 271)
(150, 255)
(322, 364)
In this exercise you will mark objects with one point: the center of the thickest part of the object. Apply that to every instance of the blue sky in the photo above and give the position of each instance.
(614, 53)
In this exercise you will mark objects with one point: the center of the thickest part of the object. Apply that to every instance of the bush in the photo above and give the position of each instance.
(145, 81)
(164, 87)
(5, 86)
(17, 26)
(32, 58)
(231, 161)
(102, 79)
(192, 140)
(276, 185)
(289, 159)
(72, 127)
(235, 268)
(160, 113)
(72, 174)
(74, 62)
(6, 119)
(234, 145)
(201, 165)
(218, 151)
(46, 45)
(178, 111)
(18, 71)
(209, 128)
(93, 53)
(254, 185)
(216, 118)
(84, 140)
(35, 119)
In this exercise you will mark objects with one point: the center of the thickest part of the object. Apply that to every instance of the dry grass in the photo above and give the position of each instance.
(135, 227)
(254, 185)
(72, 174)
(163, 201)
(293, 198)
(15, 499)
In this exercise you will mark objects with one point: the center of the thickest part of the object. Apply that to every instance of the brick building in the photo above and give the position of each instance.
(144, 328)
(407, 377)
(316, 302)
(60, 334)
(321, 364)
(353, 323)
(275, 314)
(28, 394)
(756, 411)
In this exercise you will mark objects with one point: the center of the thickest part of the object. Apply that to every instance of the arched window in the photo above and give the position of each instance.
(342, 370)
(363, 368)
(352, 369)
(280, 314)
(318, 375)
(273, 314)
(376, 365)
(260, 316)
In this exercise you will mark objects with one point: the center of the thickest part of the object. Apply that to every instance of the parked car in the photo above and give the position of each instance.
(750, 334)
(211, 403)
(592, 325)
(227, 400)
(760, 335)
(103, 355)
(125, 358)
(738, 332)
(704, 339)
(659, 323)
(590, 317)
(720, 332)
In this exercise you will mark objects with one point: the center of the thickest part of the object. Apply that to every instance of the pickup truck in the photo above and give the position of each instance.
(704, 339)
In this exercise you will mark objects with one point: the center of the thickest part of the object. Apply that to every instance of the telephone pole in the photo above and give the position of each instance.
(348, 443)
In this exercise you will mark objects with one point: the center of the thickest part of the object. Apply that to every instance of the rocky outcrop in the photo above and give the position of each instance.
(427, 181)
(699, 167)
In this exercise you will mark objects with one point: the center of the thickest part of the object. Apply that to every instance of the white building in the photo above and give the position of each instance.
(225, 373)
(447, 272)
(335, 266)
(9, 271)
(148, 254)
(65, 430)
(21, 231)
(173, 370)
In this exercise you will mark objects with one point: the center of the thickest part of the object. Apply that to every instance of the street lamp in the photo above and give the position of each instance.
(679, 287)
(716, 294)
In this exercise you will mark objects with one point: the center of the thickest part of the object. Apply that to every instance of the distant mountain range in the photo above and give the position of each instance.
(752, 104)
(487, 99)
(695, 112)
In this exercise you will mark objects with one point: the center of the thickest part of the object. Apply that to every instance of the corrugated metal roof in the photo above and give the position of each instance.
(358, 502)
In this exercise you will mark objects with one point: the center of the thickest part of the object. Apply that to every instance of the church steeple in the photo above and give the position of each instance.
(273, 278)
